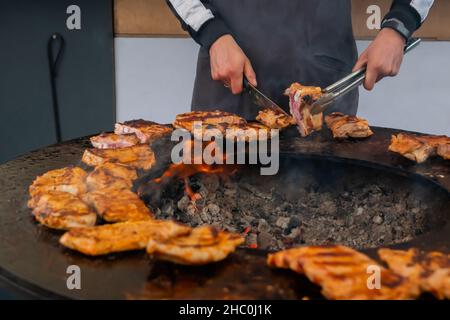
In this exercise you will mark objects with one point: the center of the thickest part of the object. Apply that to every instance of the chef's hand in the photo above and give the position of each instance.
(383, 57)
(229, 64)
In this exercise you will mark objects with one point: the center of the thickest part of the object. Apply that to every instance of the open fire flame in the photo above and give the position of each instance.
(184, 171)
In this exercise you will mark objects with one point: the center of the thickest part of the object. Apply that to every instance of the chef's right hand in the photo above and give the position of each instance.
(229, 64)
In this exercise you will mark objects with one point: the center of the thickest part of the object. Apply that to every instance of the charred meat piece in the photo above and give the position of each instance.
(111, 175)
(68, 179)
(138, 157)
(145, 131)
(202, 246)
(274, 120)
(114, 141)
(62, 210)
(343, 273)
(417, 148)
(300, 100)
(411, 148)
(434, 141)
(431, 271)
(209, 119)
(443, 151)
(117, 205)
(122, 236)
(346, 126)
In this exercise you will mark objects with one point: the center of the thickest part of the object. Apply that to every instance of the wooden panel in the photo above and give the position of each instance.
(145, 18)
(153, 18)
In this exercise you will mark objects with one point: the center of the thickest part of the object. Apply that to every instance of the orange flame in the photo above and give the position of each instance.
(184, 171)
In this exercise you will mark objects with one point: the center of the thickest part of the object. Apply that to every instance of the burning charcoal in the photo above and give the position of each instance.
(350, 220)
(263, 226)
(183, 203)
(295, 233)
(377, 220)
(294, 222)
(204, 215)
(286, 212)
(252, 240)
(168, 208)
(264, 240)
(192, 210)
(211, 183)
(214, 209)
(282, 222)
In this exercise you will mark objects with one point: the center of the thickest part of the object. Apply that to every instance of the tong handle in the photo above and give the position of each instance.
(410, 44)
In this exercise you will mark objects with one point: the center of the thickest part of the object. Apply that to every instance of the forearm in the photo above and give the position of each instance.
(200, 19)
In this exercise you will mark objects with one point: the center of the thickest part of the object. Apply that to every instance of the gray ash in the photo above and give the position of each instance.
(309, 203)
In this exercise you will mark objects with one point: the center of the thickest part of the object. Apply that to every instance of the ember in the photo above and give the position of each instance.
(308, 202)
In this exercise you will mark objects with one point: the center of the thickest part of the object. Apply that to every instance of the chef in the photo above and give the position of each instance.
(274, 43)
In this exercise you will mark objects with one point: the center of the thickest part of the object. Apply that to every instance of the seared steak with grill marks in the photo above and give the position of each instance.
(202, 246)
(118, 205)
(343, 273)
(345, 126)
(68, 179)
(430, 270)
(62, 210)
(122, 236)
(274, 120)
(138, 157)
(443, 150)
(146, 131)
(114, 141)
(418, 148)
(208, 118)
(111, 175)
(300, 100)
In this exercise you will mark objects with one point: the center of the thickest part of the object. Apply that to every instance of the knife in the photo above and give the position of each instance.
(260, 99)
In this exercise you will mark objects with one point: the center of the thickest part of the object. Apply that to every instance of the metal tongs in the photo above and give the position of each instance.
(348, 83)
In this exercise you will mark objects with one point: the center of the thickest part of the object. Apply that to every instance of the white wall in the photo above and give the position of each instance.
(154, 80)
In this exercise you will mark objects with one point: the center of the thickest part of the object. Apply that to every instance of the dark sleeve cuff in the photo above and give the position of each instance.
(406, 14)
(210, 31)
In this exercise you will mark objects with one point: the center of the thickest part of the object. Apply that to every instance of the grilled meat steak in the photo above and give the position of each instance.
(139, 156)
(62, 210)
(431, 271)
(346, 126)
(202, 246)
(418, 148)
(122, 236)
(114, 141)
(68, 179)
(274, 120)
(145, 131)
(411, 148)
(300, 100)
(209, 119)
(117, 205)
(343, 273)
(443, 151)
(111, 175)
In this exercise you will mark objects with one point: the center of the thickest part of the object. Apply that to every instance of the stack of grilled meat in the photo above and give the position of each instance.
(103, 214)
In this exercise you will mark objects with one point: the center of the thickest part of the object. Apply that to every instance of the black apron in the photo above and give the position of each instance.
(306, 41)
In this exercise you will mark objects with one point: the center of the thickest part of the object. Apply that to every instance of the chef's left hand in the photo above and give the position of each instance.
(383, 57)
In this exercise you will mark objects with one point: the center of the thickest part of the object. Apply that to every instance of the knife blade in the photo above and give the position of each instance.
(260, 99)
